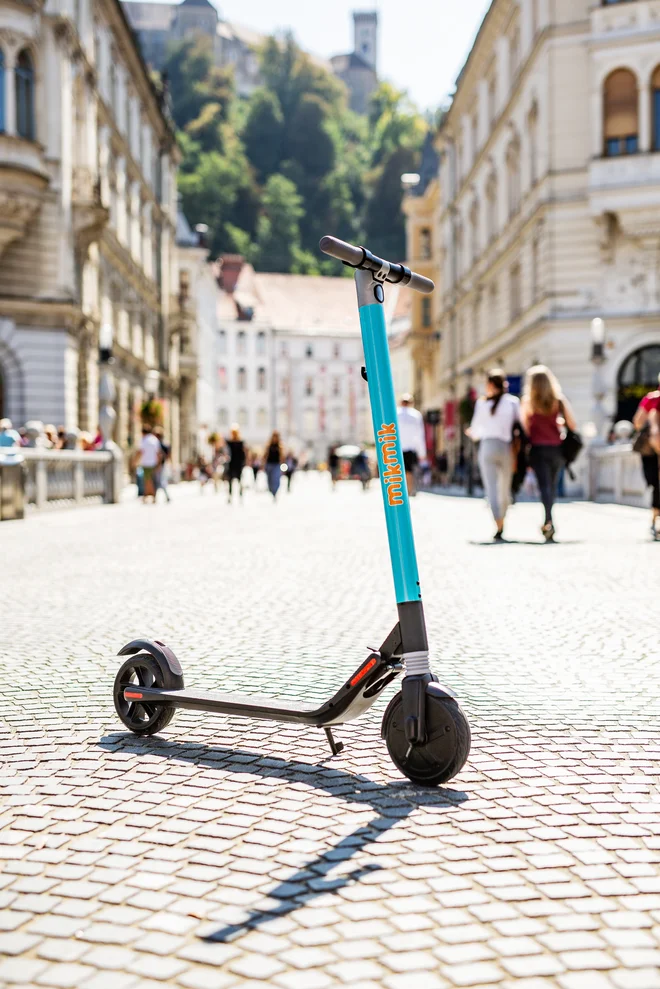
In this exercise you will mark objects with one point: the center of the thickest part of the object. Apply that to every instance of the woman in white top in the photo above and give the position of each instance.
(492, 426)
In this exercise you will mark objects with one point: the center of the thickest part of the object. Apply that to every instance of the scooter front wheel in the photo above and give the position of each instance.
(138, 671)
(447, 745)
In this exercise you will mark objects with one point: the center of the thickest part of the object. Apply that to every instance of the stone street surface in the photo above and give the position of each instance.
(234, 853)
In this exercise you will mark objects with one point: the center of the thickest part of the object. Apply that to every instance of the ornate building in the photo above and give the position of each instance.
(549, 212)
(87, 212)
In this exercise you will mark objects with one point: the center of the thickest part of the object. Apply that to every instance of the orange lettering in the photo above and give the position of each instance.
(389, 452)
(395, 494)
(386, 431)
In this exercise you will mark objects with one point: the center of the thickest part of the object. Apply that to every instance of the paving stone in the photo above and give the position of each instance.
(234, 853)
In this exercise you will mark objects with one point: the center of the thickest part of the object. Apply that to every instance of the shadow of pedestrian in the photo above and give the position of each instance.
(393, 803)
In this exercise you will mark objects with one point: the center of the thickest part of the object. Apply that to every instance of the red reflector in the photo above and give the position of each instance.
(363, 672)
(131, 696)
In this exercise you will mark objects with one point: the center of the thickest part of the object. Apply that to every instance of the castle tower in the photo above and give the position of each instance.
(365, 36)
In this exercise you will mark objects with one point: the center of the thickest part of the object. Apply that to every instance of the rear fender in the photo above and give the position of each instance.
(156, 649)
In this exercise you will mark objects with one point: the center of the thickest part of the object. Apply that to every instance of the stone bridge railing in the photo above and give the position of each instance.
(72, 477)
(614, 474)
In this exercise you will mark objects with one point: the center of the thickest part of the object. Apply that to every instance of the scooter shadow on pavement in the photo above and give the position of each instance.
(393, 803)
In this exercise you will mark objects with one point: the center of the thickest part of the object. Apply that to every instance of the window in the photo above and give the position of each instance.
(223, 417)
(24, 74)
(474, 232)
(241, 379)
(513, 177)
(491, 208)
(426, 312)
(459, 252)
(261, 343)
(474, 134)
(516, 302)
(425, 244)
(113, 82)
(492, 100)
(2, 91)
(336, 351)
(243, 418)
(222, 378)
(493, 305)
(515, 53)
(336, 386)
(222, 342)
(655, 108)
(309, 386)
(476, 317)
(309, 351)
(284, 350)
(262, 418)
(533, 145)
(535, 266)
(620, 109)
(241, 343)
(284, 387)
(261, 379)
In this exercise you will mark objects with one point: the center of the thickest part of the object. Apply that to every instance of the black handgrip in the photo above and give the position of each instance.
(339, 249)
(360, 257)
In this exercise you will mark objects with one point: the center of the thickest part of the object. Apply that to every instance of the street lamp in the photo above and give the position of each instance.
(107, 414)
(598, 359)
(151, 382)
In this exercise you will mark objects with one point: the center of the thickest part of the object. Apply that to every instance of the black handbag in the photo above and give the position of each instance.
(642, 444)
(570, 445)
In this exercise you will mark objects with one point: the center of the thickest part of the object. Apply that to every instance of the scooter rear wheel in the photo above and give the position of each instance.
(447, 745)
(138, 671)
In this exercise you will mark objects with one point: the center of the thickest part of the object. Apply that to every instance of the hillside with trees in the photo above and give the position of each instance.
(270, 175)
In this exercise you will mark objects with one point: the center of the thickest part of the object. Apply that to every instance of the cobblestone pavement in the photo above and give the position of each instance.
(230, 853)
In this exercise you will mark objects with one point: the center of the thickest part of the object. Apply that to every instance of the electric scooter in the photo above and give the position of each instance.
(426, 732)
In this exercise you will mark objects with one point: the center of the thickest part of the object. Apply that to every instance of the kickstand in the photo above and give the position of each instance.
(335, 747)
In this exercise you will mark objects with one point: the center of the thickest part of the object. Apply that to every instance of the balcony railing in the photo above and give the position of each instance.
(626, 15)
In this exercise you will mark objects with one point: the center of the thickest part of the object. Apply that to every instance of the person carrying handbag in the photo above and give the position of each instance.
(647, 444)
(544, 410)
(495, 416)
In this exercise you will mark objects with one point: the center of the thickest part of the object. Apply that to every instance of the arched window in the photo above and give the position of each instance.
(2, 91)
(620, 109)
(24, 96)
(474, 232)
(655, 96)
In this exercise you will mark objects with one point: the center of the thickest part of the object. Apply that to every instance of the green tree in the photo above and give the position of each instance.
(278, 234)
(263, 133)
(188, 64)
(309, 140)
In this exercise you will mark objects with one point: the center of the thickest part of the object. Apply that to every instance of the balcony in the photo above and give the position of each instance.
(90, 216)
(628, 186)
(626, 18)
(23, 179)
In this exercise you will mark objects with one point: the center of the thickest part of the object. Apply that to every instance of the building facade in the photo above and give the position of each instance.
(87, 207)
(289, 358)
(549, 205)
(157, 25)
(358, 70)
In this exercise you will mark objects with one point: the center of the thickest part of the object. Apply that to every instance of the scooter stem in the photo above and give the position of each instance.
(371, 296)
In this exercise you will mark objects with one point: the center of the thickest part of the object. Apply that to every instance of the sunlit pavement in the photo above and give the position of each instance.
(233, 853)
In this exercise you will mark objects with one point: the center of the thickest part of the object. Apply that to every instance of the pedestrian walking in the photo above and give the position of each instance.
(256, 467)
(333, 466)
(647, 422)
(495, 415)
(236, 462)
(413, 439)
(150, 456)
(162, 472)
(273, 461)
(291, 467)
(543, 408)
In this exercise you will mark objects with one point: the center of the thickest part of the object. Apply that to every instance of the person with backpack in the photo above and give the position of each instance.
(544, 411)
(495, 415)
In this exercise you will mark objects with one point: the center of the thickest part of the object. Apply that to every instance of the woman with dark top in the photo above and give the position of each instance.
(273, 464)
(543, 409)
(236, 462)
(333, 466)
(648, 417)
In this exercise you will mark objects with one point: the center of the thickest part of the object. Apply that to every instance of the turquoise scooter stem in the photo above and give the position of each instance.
(388, 444)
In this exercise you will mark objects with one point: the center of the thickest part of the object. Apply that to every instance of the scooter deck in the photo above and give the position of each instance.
(243, 705)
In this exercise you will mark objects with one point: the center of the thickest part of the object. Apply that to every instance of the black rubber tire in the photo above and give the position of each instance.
(147, 671)
(444, 753)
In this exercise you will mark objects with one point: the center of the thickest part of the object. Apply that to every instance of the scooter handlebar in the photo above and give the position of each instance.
(360, 257)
